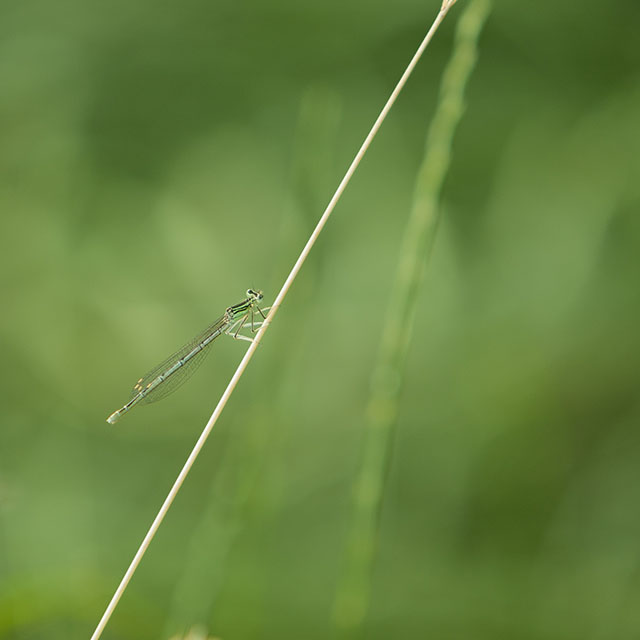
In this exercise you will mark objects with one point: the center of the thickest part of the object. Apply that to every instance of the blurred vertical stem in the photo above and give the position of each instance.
(353, 592)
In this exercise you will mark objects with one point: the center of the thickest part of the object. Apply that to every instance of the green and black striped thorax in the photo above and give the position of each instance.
(237, 310)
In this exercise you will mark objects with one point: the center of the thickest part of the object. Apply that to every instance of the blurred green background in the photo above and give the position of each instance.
(156, 159)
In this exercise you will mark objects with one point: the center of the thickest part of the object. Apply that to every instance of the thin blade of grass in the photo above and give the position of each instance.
(353, 591)
(155, 525)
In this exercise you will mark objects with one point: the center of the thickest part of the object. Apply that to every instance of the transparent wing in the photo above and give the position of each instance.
(176, 379)
(181, 374)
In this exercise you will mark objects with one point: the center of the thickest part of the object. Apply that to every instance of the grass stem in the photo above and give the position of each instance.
(353, 592)
(260, 334)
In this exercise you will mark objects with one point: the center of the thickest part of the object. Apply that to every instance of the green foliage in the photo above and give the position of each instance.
(158, 159)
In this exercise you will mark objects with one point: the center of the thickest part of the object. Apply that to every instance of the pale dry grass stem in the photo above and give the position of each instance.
(353, 593)
(262, 330)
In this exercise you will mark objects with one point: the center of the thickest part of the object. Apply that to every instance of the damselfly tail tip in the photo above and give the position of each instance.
(113, 418)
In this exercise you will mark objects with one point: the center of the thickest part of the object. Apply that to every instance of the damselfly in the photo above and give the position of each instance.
(177, 368)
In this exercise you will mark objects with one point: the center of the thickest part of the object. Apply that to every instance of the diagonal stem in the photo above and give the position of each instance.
(446, 5)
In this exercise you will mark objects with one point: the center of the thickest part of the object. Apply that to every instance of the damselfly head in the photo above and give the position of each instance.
(254, 294)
